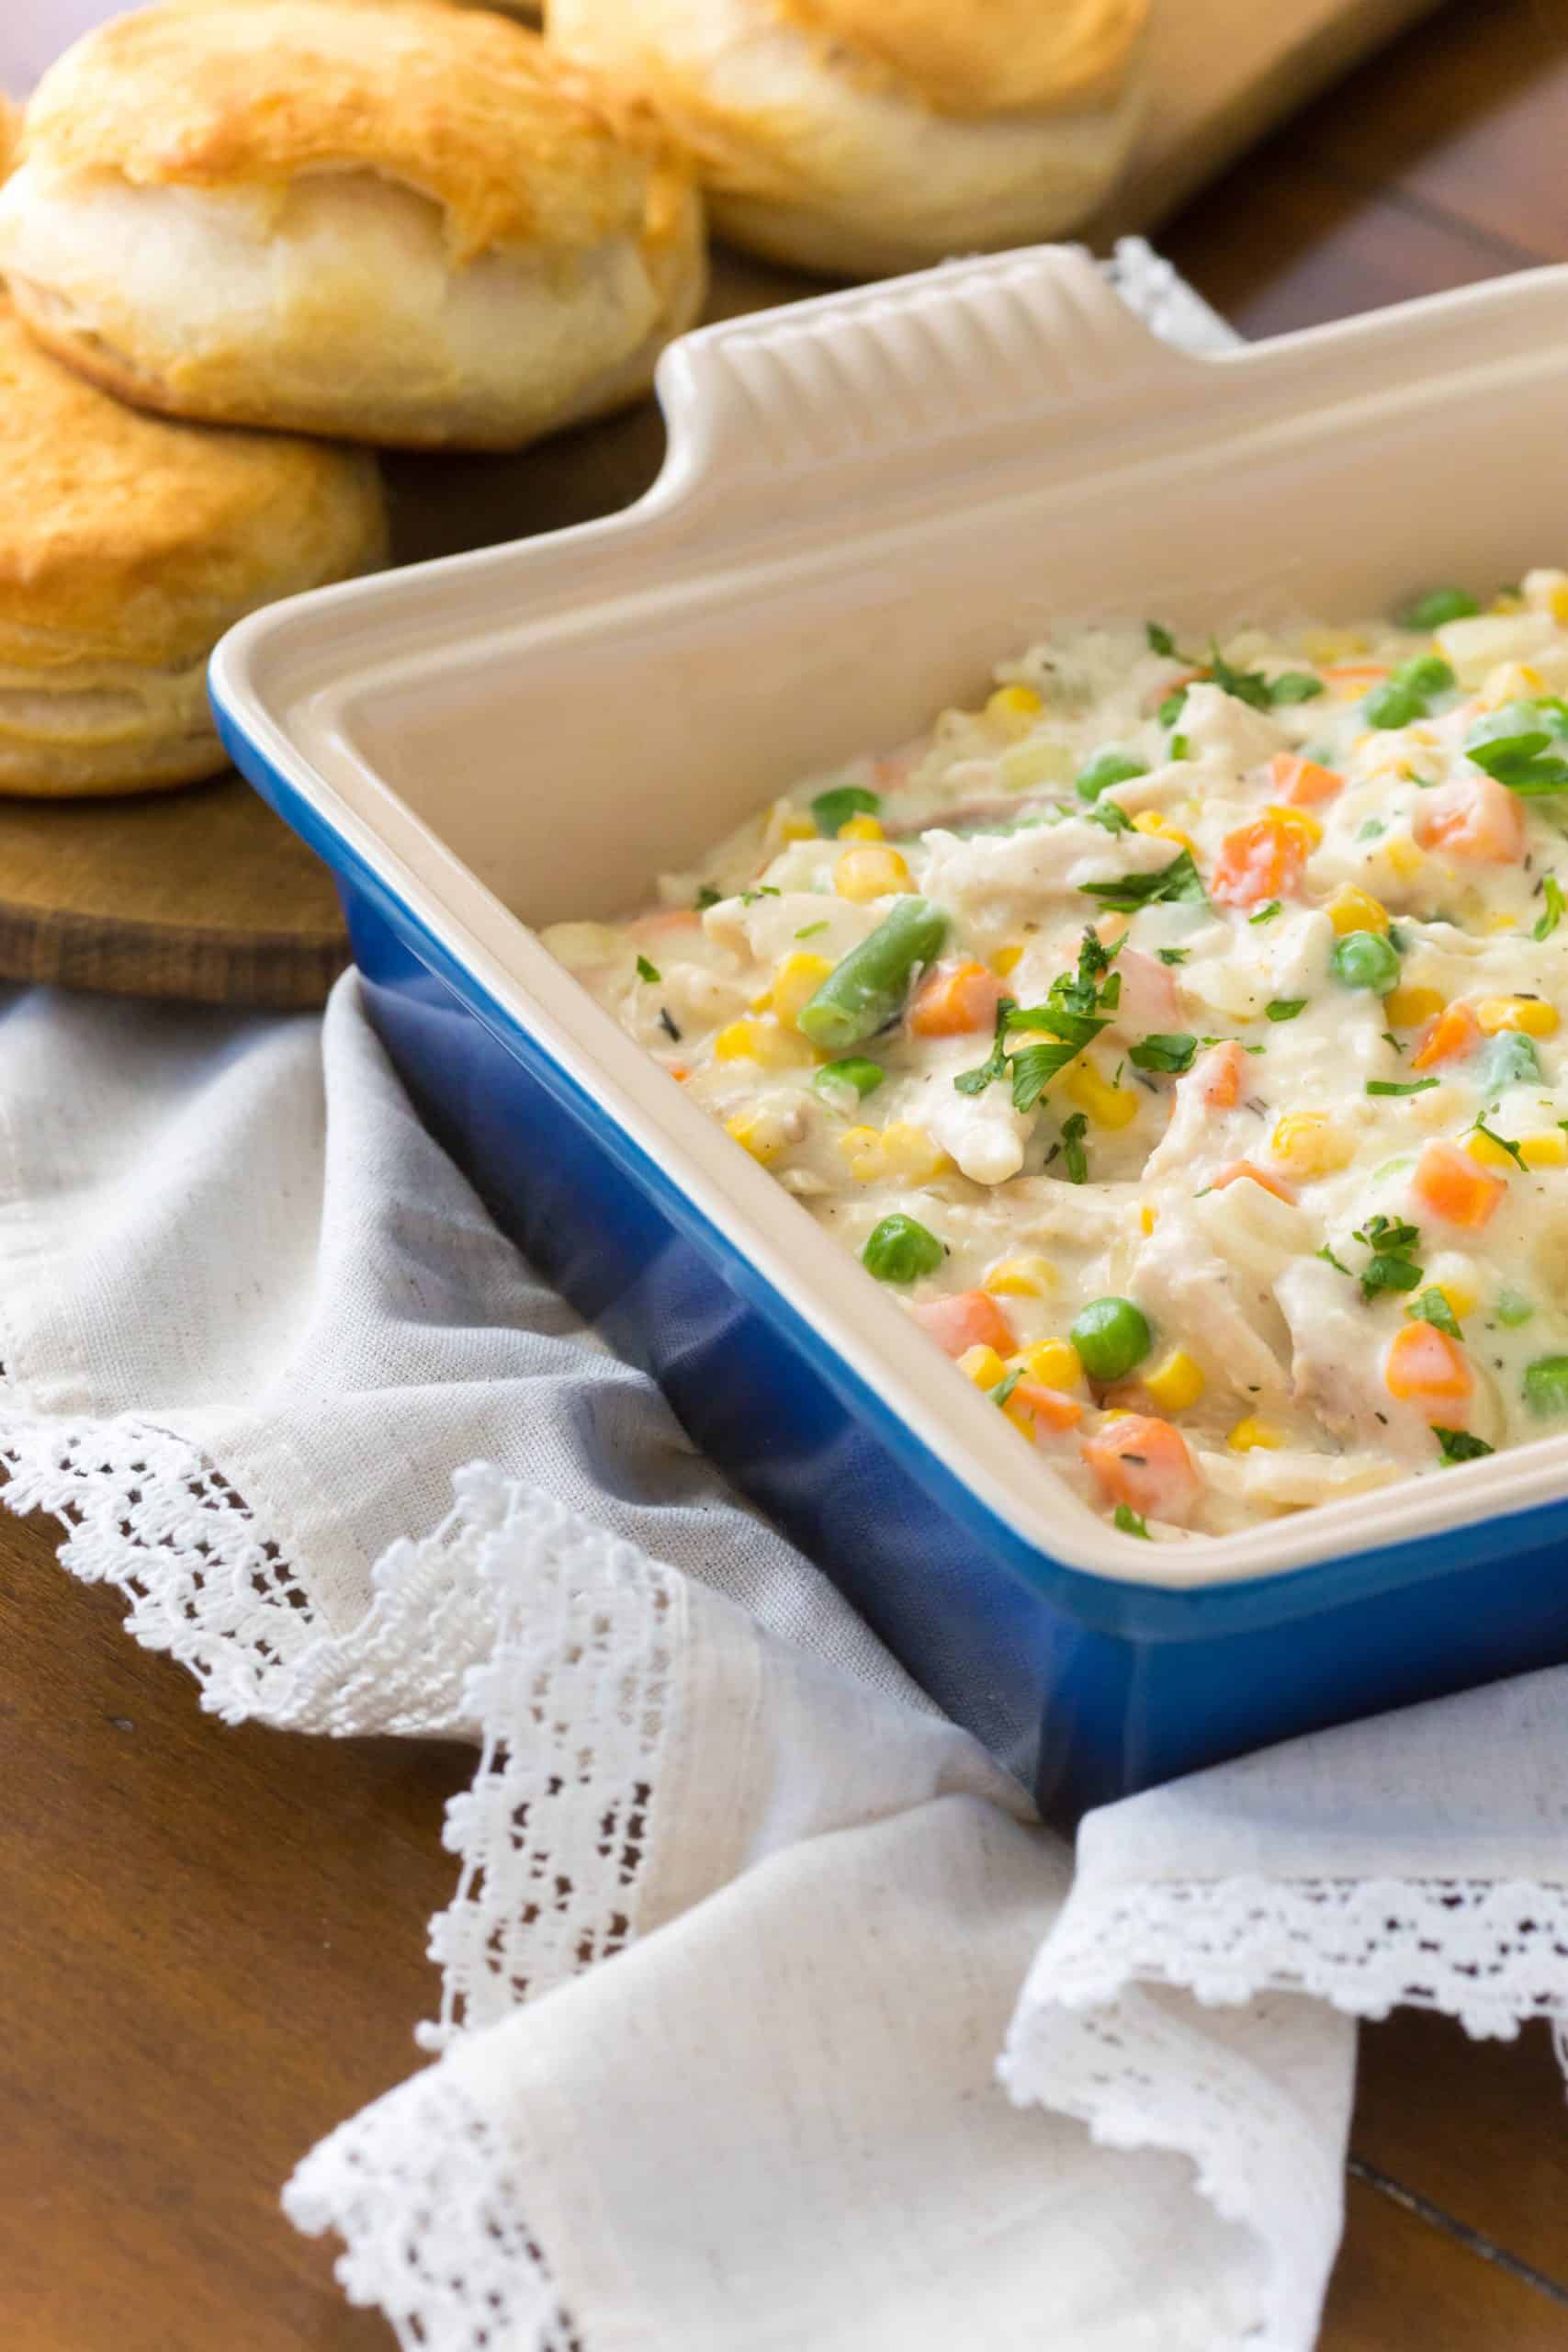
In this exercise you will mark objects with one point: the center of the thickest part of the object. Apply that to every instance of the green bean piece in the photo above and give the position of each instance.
(866, 990)
(864, 1075)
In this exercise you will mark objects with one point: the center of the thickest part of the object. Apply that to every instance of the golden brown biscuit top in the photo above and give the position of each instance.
(973, 58)
(124, 539)
(517, 146)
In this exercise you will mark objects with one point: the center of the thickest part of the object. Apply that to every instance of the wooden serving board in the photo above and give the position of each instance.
(204, 895)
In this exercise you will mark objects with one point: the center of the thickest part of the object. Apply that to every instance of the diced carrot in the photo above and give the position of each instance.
(1301, 782)
(1145, 1462)
(1447, 1182)
(1148, 999)
(679, 1071)
(665, 918)
(1424, 1367)
(1475, 817)
(1449, 1036)
(1263, 860)
(969, 1318)
(1216, 1076)
(954, 998)
(1239, 1168)
(1035, 1409)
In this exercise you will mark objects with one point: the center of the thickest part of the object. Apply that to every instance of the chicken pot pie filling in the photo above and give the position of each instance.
(1176, 1037)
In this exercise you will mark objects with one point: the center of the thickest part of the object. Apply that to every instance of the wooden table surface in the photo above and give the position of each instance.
(213, 1938)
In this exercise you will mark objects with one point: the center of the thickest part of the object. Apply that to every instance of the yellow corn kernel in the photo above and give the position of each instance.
(1408, 1008)
(863, 828)
(1549, 1149)
(1253, 1431)
(1352, 909)
(1525, 1012)
(1300, 822)
(1148, 1217)
(1504, 601)
(1509, 682)
(796, 827)
(759, 1041)
(983, 1366)
(1310, 1145)
(1486, 1153)
(1107, 1105)
(1557, 602)
(1054, 1363)
(1007, 959)
(1176, 1383)
(869, 871)
(1402, 857)
(1150, 820)
(1332, 644)
(1461, 1299)
(1013, 709)
(909, 1152)
(756, 1132)
(795, 981)
(1029, 1277)
(862, 1146)
(1498, 921)
(762, 1002)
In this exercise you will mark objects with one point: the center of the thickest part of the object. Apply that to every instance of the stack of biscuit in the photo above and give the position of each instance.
(405, 222)
(229, 223)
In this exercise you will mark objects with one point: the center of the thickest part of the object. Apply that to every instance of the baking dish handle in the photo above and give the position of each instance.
(766, 409)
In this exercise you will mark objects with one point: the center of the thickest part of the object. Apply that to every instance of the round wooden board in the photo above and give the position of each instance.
(205, 895)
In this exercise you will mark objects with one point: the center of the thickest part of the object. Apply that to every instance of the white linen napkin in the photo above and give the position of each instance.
(740, 1923)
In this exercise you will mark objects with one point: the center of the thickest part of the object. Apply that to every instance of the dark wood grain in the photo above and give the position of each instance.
(213, 1938)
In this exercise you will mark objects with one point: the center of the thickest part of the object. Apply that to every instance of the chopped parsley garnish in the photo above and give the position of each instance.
(1551, 890)
(1073, 1155)
(1172, 706)
(707, 897)
(1006, 1386)
(668, 1025)
(763, 891)
(1512, 744)
(1248, 686)
(647, 971)
(1389, 1039)
(1128, 1522)
(1109, 814)
(1164, 1050)
(1294, 685)
(1173, 955)
(1327, 1255)
(1161, 641)
(1284, 1008)
(1433, 1307)
(1374, 830)
(1512, 1148)
(975, 1081)
(835, 807)
(1391, 1266)
(810, 929)
(1400, 1086)
(1178, 880)
(1266, 914)
(1179, 748)
(1458, 1445)
(1074, 1013)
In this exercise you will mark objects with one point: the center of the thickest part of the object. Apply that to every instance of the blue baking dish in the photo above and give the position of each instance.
(867, 499)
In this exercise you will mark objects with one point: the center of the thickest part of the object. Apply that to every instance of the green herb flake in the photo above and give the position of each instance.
(1179, 748)
(1127, 1521)
(1294, 685)
(1109, 814)
(1284, 1008)
(1170, 1052)
(835, 807)
(647, 971)
(707, 897)
(1177, 881)
(1374, 830)
(810, 929)
(1173, 955)
(1551, 890)
(1512, 1308)
(1512, 746)
(1398, 1086)
(1006, 1386)
(763, 891)
(1075, 1157)
(1266, 914)
(1391, 1266)
(1161, 641)
(1327, 1254)
(1433, 1307)
(1460, 1445)
(1512, 1148)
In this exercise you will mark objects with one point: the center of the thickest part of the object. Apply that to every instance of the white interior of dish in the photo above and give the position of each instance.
(869, 499)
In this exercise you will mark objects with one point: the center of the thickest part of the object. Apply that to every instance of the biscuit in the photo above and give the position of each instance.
(388, 220)
(864, 136)
(127, 546)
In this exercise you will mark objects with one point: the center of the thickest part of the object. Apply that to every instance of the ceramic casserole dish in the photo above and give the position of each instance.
(867, 499)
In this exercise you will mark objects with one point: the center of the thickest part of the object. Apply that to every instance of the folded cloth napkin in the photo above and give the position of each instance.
(743, 1931)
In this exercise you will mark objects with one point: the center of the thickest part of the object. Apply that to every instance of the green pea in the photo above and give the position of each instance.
(1112, 1335)
(864, 1075)
(1546, 1386)
(1510, 1059)
(1392, 705)
(1363, 959)
(1438, 605)
(864, 991)
(901, 1249)
(1107, 768)
(1424, 673)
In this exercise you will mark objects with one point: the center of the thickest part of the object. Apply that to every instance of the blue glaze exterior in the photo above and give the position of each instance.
(1087, 1687)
